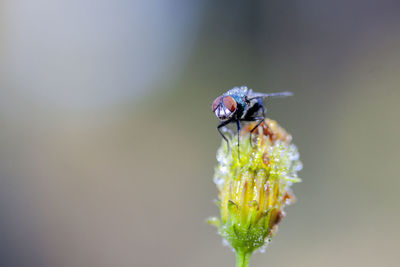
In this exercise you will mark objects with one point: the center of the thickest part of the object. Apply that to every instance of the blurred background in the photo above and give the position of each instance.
(108, 142)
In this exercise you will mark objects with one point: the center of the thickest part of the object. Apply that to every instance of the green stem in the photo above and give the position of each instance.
(242, 258)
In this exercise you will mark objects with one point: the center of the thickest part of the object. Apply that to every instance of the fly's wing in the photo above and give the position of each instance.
(255, 95)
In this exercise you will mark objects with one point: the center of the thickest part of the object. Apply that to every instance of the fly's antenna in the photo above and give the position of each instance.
(261, 95)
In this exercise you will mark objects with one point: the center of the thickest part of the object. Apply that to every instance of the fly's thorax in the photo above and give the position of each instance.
(253, 108)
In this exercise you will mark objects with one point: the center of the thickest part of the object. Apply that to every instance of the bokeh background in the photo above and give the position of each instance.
(107, 140)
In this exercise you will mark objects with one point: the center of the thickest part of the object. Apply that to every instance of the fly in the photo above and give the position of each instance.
(241, 104)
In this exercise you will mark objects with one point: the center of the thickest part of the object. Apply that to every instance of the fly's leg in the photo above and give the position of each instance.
(238, 137)
(227, 130)
(222, 124)
(259, 121)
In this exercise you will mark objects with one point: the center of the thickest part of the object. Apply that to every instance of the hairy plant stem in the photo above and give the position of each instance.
(242, 258)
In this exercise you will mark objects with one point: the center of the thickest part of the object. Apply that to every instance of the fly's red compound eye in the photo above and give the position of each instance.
(229, 103)
(216, 103)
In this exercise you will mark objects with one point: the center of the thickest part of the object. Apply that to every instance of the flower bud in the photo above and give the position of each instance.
(253, 182)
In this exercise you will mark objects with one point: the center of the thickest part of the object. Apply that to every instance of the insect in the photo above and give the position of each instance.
(241, 104)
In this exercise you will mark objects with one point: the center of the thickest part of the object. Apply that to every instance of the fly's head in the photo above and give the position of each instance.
(224, 107)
